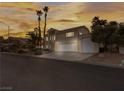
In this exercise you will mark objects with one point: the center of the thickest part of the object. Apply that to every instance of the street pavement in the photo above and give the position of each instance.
(33, 73)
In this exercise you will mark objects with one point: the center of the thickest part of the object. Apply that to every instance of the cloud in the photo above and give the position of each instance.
(101, 7)
(22, 16)
(24, 25)
(1, 22)
(20, 5)
(15, 34)
(64, 20)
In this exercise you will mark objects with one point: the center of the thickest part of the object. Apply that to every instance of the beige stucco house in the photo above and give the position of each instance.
(76, 39)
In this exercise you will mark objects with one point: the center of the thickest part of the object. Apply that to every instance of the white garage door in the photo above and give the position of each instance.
(66, 46)
(87, 46)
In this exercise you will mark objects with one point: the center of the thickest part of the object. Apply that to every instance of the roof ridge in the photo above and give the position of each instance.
(73, 28)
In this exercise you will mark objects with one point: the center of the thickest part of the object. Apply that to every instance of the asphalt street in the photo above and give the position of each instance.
(30, 73)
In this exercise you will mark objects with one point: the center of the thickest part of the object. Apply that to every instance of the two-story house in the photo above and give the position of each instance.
(75, 39)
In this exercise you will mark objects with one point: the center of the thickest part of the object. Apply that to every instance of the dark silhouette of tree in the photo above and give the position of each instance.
(112, 37)
(106, 33)
(98, 29)
(39, 13)
(36, 35)
(121, 34)
(112, 29)
(45, 9)
(32, 39)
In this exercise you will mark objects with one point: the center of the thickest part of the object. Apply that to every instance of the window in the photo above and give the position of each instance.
(70, 34)
(80, 33)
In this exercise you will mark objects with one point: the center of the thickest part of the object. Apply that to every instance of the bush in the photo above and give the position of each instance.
(46, 49)
(122, 62)
(21, 51)
(5, 49)
(38, 52)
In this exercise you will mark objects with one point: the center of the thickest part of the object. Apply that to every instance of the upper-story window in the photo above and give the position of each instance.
(80, 33)
(69, 34)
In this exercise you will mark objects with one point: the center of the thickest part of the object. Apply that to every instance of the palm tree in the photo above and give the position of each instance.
(36, 34)
(39, 13)
(45, 9)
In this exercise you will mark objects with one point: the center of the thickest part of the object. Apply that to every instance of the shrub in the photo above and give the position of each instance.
(38, 52)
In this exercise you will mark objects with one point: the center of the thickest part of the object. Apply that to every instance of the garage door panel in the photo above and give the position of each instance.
(88, 46)
(66, 46)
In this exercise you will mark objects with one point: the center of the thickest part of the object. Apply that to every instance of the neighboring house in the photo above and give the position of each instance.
(75, 39)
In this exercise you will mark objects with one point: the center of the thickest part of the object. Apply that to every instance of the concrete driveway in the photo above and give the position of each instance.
(67, 56)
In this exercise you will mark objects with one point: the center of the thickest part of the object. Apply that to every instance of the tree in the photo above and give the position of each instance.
(106, 33)
(121, 34)
(99, 32)
(112, 29)
(34, 37)
(39, 13)
(45, 9)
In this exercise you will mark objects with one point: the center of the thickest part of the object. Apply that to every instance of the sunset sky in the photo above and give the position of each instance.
(22, 18)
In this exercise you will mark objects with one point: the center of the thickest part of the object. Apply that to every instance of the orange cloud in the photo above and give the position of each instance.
(64, 20)
(22, 16)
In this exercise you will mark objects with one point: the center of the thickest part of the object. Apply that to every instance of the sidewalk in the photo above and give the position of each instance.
(67, 56)
(109, 58)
